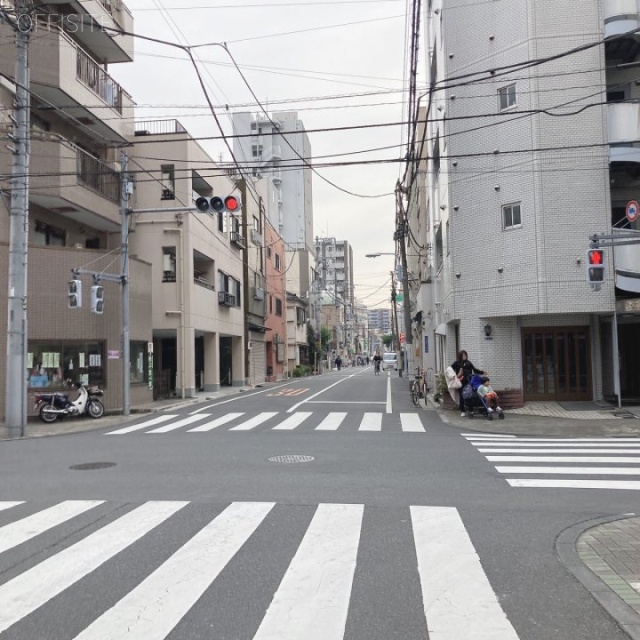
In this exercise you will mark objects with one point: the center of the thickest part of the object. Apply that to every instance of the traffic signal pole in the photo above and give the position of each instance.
(16, 364)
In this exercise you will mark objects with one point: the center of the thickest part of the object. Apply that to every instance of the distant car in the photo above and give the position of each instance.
(389, 361)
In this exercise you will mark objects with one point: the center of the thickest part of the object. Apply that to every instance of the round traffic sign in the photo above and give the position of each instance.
(633, 210)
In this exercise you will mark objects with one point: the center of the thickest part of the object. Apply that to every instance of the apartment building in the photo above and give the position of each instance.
(276, 320)
(518, 168)
(380, 319)
(79, 115)
(196, 256)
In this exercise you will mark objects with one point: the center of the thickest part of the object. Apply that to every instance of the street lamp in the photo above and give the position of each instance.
(375, 255)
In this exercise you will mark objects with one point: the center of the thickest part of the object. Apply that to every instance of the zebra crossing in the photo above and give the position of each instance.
(311, 601)
(545, 462)
(275, 421)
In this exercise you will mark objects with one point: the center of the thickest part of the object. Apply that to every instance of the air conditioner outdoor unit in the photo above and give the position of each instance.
(258, 293)
(256, 237)
(226, 299)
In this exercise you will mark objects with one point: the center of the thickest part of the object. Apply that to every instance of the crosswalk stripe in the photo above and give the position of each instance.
(181, 580)
(313, 598)
(631, 485)
(33, 588)
(332, 421)
(371, 422)
(492, 436)
(578, 440)
(626, 459)
(208, 426)
(255, 421)
(458, 599)
(11, 535)
(570, 471)
(142, 425)
(8, 505)
(411, 423)
(547, 445)
(293, 421)
(181, 423)
(540, 451)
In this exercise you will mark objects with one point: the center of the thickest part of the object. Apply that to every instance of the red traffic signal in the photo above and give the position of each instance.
(232, 204)
(217, 205)
(595, 266)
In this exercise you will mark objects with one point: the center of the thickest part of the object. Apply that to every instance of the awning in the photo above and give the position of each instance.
(258, 328)
(441, 329)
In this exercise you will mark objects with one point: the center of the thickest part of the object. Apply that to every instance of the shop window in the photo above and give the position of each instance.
(139, 362)
(50, 364)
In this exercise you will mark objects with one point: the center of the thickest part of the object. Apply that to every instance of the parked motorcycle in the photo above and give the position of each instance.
(56, 406)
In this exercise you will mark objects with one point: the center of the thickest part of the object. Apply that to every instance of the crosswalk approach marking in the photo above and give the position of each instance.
(411, 423)
(208, 426)
(371, 422)
(36, 586)
(255, 421)
(626, 459)
(630, 485)
(312, 600)
(549, 445)
(181, 580)
(11, 535)
(142, 425)
(598, 471)
(563, 440)
(458, 599)
(540, 451)
(292, 421)
(332, 421)
(181, 423)
(9, 505)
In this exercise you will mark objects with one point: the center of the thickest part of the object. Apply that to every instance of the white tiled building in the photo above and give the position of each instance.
(524, 165)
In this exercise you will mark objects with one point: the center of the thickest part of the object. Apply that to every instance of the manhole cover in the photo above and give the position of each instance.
(90, 466)
(291, 458)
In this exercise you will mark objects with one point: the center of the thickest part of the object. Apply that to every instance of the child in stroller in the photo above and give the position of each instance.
(476, 400)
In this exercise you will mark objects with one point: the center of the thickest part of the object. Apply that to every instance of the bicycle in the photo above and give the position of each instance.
(376, 367)
(418, 387)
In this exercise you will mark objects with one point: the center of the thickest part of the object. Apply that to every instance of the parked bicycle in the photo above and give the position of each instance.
(419, 387)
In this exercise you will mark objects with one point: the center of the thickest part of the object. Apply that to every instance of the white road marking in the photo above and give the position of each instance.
(255, 421)
(315, 395)
(371, 422)
(547, 445)
(243, 396)
(158, 603)
(631, 485)
(476, 436)
(520, 451)
(459, 602)
(627, 460)
(313, 598)
(292, 421)
(411, 423)
(598, 471)
(208, 426)
(331, 422)
(578, 440)
(26, 592)
(181, 423)
(11, 535)
(8, 505)
(389, 394)
(143, 425)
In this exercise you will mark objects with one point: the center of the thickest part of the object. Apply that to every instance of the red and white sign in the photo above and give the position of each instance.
(633, 210)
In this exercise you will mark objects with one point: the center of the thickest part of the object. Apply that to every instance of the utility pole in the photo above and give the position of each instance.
(16, 366)
(124, 270)
(408, 331)
(394, 312)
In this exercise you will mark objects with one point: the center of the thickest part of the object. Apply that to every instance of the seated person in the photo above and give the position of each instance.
(488, 395)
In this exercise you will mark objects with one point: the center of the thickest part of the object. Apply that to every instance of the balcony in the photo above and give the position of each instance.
(624, 129)
(90, 21)
(620, 16)
(627, 263)
(274, 152)
(65, 77)
(72, 183)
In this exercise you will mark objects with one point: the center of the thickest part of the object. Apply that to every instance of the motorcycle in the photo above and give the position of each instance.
(57, 406)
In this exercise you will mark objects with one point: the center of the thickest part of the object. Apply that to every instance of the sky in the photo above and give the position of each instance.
(296, 55)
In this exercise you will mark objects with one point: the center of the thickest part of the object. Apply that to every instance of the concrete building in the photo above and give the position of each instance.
(196, 257)
(523, 167)
(276, 320)
(79, 114)
(380, 320)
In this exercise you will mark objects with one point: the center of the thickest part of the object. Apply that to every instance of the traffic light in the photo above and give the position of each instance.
(74, 294)
(216, 204)
(595, 267)
(97, 299)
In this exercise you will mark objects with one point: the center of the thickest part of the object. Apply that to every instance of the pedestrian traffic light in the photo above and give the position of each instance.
(595, 266)
(74, 294)
(216, 204)
(97, 299)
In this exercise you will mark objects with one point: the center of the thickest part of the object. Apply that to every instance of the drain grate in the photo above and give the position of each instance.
(90, 466)
(291, 458)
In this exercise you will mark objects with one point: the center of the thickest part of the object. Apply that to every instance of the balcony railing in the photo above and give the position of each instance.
(98, 176)
(158, 127)
(98, 80)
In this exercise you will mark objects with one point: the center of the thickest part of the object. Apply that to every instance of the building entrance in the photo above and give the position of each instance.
(556, 363)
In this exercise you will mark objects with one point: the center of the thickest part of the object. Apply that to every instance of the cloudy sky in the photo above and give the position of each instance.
(338, 63)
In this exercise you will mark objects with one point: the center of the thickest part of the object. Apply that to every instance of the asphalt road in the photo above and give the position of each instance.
(192, 532)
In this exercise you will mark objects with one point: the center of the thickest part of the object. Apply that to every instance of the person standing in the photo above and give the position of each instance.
(464, 370)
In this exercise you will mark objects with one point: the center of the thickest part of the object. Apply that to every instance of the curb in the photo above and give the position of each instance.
(613, 604)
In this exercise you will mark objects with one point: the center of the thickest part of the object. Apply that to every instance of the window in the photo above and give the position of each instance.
(49, 364)
(168, 264)
(231, 286)
(439, 258)
(256, 224)
(511, 215)
(268, 252)
(278, 307)
(300, 316)
(256, 150)
(222, 222)
(278, 262)
(168, 182)
(45, 234)
(138, 362)
(436, 157)
(507, 97)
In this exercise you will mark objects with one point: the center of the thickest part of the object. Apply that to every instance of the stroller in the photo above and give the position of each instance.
(473, 403)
